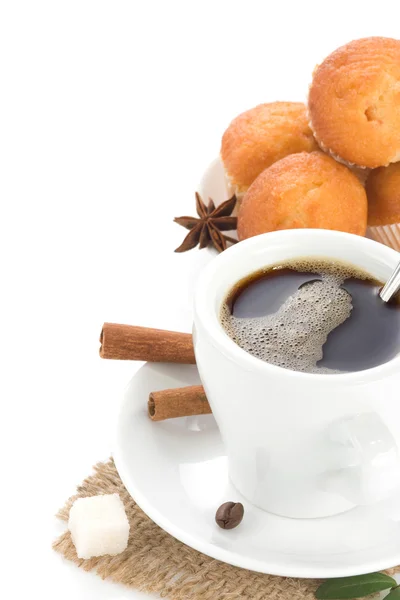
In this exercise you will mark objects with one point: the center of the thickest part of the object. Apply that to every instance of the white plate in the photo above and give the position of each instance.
(213, 185)
(177, 472)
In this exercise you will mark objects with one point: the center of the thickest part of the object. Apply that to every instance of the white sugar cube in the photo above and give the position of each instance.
(98, 526)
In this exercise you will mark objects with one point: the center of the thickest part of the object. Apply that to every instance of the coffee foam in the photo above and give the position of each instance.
(294, 336)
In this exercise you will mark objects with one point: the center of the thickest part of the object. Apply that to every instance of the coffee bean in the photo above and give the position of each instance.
(229, 515)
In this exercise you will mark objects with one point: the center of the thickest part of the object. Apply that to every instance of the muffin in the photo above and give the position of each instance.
(259, 137)
(354, 102)
(305, 190)
(383, 192)
(360, 172)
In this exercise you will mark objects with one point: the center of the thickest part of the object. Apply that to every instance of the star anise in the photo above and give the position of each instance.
(207, 228)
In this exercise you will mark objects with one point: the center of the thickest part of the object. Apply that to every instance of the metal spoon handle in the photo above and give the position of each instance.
(392, 286)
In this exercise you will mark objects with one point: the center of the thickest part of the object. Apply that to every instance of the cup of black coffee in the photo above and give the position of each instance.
(300, 360)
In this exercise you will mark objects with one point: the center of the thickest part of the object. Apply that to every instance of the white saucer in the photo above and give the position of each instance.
(177, 473)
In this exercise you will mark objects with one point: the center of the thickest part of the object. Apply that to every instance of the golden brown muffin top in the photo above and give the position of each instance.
(305, 190)
(383, 192)
(354, 102)
(262, 135)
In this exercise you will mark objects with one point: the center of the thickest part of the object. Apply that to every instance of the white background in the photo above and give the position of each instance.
(109, 113)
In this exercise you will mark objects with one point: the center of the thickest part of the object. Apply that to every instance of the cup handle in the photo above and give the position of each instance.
(365, 465)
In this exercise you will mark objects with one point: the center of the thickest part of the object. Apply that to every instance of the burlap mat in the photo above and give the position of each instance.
(156, 562)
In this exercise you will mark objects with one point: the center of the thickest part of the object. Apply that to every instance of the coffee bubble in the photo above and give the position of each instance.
(293, 337)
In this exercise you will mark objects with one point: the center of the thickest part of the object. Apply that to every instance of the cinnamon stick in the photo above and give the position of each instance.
(178, 402)
(128, 342)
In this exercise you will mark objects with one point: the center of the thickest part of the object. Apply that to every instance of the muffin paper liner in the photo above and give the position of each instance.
(386, 234)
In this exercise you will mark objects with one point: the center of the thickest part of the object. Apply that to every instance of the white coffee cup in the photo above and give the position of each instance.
(299, 445)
